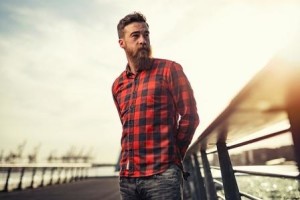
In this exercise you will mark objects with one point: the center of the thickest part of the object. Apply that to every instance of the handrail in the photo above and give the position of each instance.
(251, 197)
(269, 174)
(250, 141)
(270, 99)
(295, 175)
(44, 165)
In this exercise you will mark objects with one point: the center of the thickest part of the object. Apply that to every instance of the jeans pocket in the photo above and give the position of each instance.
(167, 185)
(172, 173)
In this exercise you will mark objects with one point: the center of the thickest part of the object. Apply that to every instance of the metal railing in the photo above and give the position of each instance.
(202, 184)
(264, 103)
(28, 176)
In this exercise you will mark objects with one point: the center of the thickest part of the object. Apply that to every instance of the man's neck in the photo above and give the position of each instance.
(132, 66)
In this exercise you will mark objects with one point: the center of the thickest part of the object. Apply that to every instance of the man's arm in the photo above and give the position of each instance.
(186, 107)
(116, 102)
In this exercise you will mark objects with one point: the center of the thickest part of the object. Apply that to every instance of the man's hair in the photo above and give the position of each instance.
(128, 19)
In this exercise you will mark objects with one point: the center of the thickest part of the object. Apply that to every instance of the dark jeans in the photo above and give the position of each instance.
(167, 185)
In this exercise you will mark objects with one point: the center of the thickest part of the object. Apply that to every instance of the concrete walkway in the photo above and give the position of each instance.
(90, 189)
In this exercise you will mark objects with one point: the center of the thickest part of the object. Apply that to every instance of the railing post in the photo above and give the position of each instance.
(32, 177)
(194, 193)
(229, 182)
(66, 175)
(209, 182)
(201, 188)
(51, 176)
(72, 175)
(43, 176)
(81, 173)
(5, 189)
(196, 180)
(293, 110)
(75, 173)
(86, 173)
(21, 178)
(187, 194)
(69, 175)
(77, 170)
(59, 175)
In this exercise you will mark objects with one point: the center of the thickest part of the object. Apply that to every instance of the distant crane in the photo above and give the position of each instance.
(13, 156)
(32, 158)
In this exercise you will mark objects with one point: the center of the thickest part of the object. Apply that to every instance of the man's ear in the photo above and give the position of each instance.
(121, 43)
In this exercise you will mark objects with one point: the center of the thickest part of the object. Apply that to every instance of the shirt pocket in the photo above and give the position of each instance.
(155, 92)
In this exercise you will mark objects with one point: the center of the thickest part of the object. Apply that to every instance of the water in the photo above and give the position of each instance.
(268, 188)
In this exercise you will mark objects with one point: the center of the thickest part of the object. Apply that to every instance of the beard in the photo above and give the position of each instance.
(141, 58)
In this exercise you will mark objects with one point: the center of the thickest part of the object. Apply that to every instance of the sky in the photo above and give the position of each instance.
(59, 58)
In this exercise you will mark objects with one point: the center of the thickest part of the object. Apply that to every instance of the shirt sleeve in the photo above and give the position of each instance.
(185, 103)
(115, 100)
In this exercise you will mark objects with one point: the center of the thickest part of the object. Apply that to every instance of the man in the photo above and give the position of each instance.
(158, 113)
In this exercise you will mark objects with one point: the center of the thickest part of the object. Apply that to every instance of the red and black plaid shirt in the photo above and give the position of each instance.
(159, 117)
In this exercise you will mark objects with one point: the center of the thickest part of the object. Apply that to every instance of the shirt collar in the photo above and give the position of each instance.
(128, 71)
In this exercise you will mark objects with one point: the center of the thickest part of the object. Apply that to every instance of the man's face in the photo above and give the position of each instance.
(136, 41)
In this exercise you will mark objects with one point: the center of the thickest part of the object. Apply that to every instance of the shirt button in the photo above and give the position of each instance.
(131, 107)
(134, 93)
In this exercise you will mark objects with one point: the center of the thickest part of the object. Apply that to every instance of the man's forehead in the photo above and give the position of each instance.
(136, 26)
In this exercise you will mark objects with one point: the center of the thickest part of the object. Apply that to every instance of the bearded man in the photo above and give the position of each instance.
(158, 112)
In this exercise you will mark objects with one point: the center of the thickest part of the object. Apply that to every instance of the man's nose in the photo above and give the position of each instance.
(142, 40)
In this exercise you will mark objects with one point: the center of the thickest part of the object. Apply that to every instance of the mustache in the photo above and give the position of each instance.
(145, 48)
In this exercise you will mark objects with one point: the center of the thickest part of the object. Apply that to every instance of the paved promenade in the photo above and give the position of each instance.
(90, 189)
